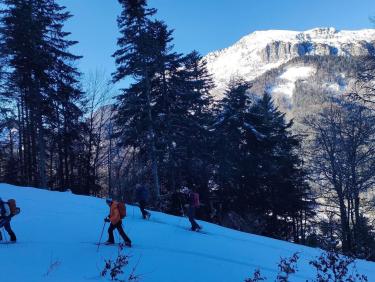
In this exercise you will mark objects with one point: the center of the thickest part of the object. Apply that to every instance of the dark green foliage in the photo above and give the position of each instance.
(234, 133)
(364, 245)
(259, 171)
(163, 114)
(41, 86)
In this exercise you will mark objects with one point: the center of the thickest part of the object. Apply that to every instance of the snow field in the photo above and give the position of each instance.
(57, 232)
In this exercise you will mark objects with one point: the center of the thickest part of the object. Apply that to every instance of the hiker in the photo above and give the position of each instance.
(6, 215)
(193, 204)
(115, 223)
(142, 198)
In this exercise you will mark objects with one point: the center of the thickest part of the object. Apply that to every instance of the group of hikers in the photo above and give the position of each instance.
(117, 212)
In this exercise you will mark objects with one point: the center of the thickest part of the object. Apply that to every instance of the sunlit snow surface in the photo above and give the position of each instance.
(289, 77)
(60, 226)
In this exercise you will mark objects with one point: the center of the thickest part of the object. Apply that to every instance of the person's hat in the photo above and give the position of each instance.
(185, 190)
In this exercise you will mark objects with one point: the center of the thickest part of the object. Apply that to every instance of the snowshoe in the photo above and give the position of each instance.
(7, 242)
(197, 229)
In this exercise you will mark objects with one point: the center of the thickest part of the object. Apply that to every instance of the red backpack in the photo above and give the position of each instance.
(196, 200)
(122, 209)
(14, 210)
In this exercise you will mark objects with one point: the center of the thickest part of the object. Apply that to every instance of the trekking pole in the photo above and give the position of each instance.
(180, 217)
(101, 235)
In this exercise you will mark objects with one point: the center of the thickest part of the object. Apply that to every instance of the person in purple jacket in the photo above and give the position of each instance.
(193, 204)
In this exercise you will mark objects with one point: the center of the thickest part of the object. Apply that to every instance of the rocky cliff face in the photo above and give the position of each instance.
(279, 50)
(261, 51)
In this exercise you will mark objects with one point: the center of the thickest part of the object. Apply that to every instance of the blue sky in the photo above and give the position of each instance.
(208, 25)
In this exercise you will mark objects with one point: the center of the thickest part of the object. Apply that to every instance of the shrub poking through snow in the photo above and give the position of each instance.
(257, 276)
(114, 269)
(330, 266)
(333, 267)
(287, 267)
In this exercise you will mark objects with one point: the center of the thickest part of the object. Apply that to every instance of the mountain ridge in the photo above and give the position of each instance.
(260, 51)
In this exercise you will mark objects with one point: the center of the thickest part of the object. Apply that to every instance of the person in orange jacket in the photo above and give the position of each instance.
(115, 223)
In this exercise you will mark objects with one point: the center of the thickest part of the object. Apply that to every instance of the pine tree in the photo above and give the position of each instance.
(258, 169)
(163, 114)
(136, 59)
(44, 82)
(193, 133)
(184, 126)
(234, 135)
(278, 179)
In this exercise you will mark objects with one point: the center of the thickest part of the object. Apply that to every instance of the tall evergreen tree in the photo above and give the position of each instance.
(185, 124)
(197, 137)
(44, 82)
(234, 136)
(165, 106)
(258, 168)
(136, 59)
(279, 180)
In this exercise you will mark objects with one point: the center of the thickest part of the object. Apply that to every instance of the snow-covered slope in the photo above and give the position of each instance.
(260, 51)
(61, 227)
(289, 78)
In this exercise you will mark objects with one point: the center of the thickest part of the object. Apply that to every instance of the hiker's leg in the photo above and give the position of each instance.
(142, 205)
(2, 222)
(10, 231)
(191, 215)
(122, 232)
(111, 238)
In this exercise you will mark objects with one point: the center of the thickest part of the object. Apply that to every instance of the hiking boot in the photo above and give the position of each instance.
(128, 244)
(196, 228)
(109, 243)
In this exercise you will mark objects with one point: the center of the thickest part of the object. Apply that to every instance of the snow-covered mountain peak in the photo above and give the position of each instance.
(323, 34)
(260, 51)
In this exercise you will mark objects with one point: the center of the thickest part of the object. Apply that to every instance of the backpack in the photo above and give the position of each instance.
(122, 209)
(2, 208)
(14, 210)
(194, 199)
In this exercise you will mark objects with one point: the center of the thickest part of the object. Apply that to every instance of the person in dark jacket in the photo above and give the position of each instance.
(115, 223)
(193, 204)
(5, 218)
(142, 198)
